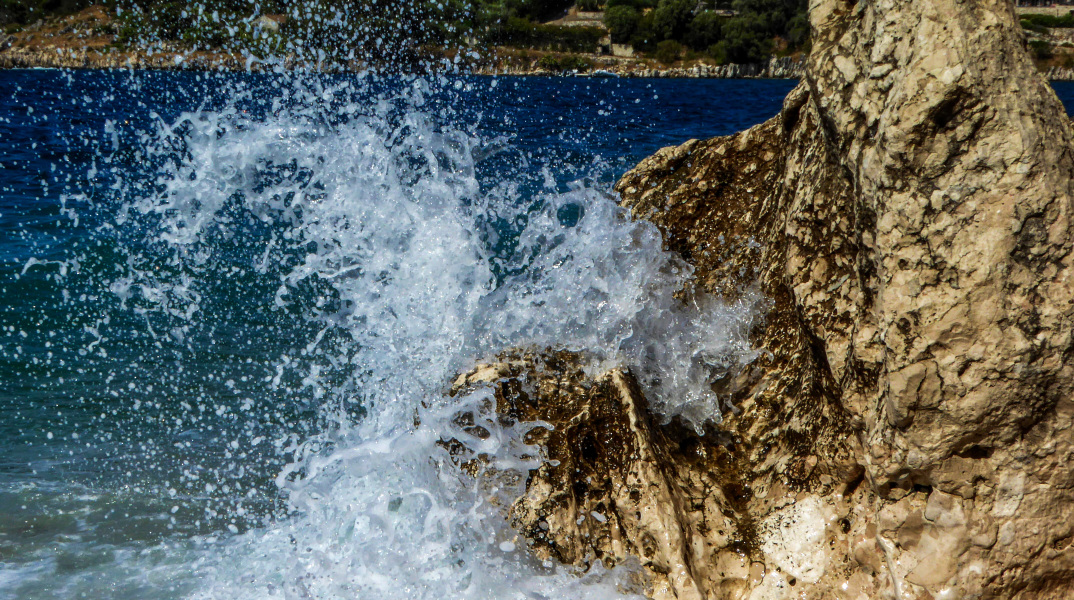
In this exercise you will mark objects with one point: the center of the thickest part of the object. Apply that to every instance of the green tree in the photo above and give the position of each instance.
(745, 40)
(748, 36)
(644, 38)
(672, 17)
(798, 30)
(622, 22)
(774, 17)
(705, 30)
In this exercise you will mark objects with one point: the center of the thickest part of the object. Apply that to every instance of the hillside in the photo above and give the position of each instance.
(548, 35)
(630, 37)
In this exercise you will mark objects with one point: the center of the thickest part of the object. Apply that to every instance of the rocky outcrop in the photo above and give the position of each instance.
(1060, 74)
(776, 68)
(909, 432)
(59, 58)
(619, 485)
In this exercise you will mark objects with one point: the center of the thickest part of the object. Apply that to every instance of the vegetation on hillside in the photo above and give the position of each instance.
(1038, 22)
(739, 31)
(755, 30)
(368, 30)
(1043, 45)
(14, 13)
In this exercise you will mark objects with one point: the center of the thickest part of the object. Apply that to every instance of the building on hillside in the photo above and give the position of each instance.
(578, 18)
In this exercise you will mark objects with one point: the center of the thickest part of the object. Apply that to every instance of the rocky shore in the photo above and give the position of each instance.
(58, 58)
(23, 58)
(775, 68)
(14, 54)
(908, 430)
(1060, 74)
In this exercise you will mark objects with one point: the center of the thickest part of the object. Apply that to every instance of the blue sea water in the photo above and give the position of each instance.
(227, 298)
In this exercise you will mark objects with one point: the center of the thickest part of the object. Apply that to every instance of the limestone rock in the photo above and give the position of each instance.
(909, 432)
(911, 206)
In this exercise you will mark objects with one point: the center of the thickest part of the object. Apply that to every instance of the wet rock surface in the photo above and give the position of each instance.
(618, 485)
(908, 431)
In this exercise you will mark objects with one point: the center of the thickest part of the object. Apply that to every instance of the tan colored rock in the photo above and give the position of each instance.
(912, 203)
(618, 485)
(909, 431)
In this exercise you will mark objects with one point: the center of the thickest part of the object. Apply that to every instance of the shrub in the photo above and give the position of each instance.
(747, 37)
(549, 62)
(1031, 26)
(564, 63)
(1040, 49)
(718, 53)
(798, 31)
(575, 63)
(668, 51)
(1036, 22)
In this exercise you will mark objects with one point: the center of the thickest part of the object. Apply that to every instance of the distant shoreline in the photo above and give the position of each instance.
(777, 68)
(25, 58)
(91, 39)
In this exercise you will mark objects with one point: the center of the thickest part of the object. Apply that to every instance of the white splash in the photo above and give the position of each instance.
(396, 518)
(385, 216)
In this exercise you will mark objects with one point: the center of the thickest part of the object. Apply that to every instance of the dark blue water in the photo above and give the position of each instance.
(153, 387)
(150, 393)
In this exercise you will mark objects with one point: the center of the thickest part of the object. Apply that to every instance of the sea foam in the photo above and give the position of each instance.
(414, 263)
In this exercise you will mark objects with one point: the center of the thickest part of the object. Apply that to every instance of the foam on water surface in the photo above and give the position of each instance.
(408, 249)
(388, 219)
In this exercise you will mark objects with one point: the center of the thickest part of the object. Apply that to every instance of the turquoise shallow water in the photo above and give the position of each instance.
(226, 297)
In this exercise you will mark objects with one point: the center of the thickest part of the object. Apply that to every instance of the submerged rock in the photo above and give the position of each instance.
(909, 432)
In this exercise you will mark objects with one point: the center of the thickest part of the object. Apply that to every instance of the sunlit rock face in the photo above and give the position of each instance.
(906, 431)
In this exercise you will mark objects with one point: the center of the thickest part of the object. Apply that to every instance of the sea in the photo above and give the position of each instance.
(232, 305)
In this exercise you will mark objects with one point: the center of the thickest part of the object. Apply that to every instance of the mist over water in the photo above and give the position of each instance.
(234, 304)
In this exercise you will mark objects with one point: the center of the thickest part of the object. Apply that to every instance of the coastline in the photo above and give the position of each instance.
(88, 40)
(82, 59)
(783, 68)
(57, 58)
(775, 68)
(23, 58)
(1059, 74)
